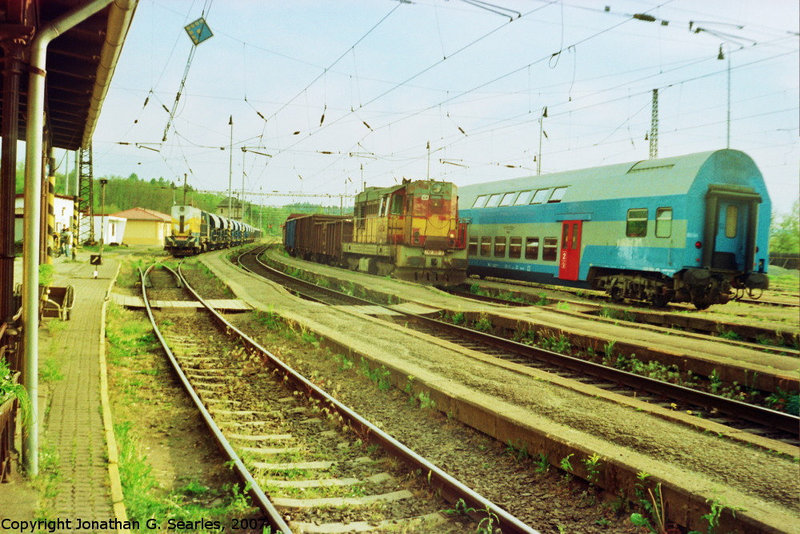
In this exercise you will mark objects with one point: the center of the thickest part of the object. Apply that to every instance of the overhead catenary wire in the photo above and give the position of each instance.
(387, 118)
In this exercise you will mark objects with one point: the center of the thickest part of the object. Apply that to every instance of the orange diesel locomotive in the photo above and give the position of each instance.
(410, 231)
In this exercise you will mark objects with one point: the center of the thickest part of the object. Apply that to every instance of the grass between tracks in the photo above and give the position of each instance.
(169, 469)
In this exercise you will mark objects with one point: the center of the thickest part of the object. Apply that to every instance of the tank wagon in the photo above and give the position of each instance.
(410, 231)
(195, 231)
(692, 228)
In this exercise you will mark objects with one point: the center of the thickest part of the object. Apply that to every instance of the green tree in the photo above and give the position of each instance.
(784, 232)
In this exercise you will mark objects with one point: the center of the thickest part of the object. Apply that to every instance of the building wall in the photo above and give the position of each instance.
(114, 229)
(64, 208)
(145, 232)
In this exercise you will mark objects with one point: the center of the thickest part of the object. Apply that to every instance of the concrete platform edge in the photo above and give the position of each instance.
(111, 443)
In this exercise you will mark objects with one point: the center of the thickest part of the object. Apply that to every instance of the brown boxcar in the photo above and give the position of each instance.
(317, 237)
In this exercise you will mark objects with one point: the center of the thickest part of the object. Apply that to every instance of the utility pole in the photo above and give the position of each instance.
(654, 126)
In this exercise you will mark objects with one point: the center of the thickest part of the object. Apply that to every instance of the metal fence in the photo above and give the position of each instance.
(787, 261)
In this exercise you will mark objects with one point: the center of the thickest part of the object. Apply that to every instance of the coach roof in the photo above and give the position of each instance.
(665, 176)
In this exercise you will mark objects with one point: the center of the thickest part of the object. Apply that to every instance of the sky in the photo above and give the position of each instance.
(327, 95)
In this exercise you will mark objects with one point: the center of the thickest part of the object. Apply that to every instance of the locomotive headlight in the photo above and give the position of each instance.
(698, 244)
(452, 235)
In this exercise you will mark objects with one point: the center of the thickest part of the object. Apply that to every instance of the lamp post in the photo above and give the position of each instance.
(230, 168)
(727, 39)
(720, 57)
(103, 182)
(246, 149)
(541, 131)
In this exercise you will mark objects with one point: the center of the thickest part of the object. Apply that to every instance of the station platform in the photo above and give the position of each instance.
(72, 434)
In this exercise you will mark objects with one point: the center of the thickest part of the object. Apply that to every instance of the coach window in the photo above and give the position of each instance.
(500, 247)
(550, 249)
(532, 248)
(486, 246)
(637, 223)
(480, 201)
(494, 200)
(731, 220)
(540, 196)
(508, 199)
(473, 246)
(558, 194)
(523, 198)
(663, 222)
(514, 247)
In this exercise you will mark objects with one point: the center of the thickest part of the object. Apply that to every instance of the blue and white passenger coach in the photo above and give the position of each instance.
(691, 228)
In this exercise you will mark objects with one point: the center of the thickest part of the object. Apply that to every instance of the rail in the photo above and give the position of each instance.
(449, 487)
(258, 495)
(737, 410)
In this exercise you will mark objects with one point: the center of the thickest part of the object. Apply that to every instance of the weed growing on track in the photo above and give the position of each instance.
(542, 464)
(592, 464)
(483, 324)
(560, 344)
(519, 452)
(379, 375)
(566, 465)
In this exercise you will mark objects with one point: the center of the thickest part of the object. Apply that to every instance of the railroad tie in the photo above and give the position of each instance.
(286, 502)
(260, 437)
(380, 478)
(320, 464)
(418, 523)
(271, 451)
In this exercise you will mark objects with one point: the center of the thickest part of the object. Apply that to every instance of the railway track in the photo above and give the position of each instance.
(743, 416)
(305, 471)
(601, 295)
(746, 336)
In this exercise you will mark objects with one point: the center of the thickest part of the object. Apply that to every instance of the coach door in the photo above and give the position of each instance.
(570, 257)
(730, 228)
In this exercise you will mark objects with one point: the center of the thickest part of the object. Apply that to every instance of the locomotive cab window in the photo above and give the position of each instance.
(731, 220)
(508, 199)
(480, 201)
(558, 194)
(397, 205)
(486, 246)
(500, 247)
(523, 198)
(663, 222)
(541, 196)
(473, 246)
(637, 222)
(514, 247)
(532, 248)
